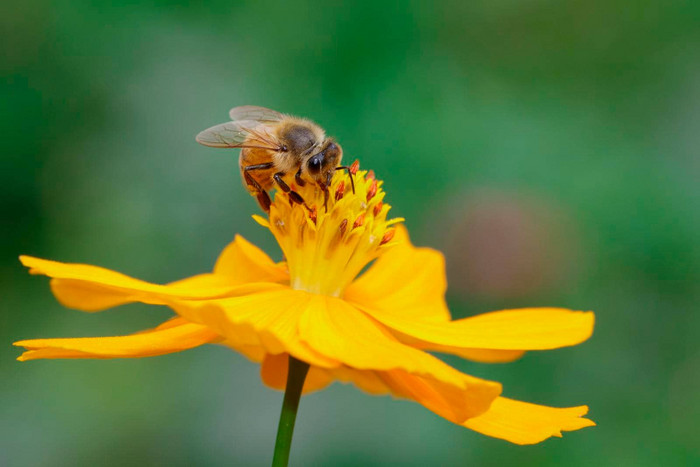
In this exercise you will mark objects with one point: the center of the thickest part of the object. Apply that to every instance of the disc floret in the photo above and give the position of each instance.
(327, 244)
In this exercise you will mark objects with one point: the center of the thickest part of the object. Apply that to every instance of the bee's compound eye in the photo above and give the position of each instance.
(332, 147)
(314, 164)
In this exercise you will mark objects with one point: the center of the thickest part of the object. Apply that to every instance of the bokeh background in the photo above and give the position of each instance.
(548, 148)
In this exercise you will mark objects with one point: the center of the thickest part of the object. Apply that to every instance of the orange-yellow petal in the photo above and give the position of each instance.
(92, 288)
(445, 400)
(337, 330)
(525, 423)
(273, 372)
(246, 342)
(243, 262)
(476, 355)
(268, 318)
(404, 278)
(172, 336)
(368, 381)
(523, 329)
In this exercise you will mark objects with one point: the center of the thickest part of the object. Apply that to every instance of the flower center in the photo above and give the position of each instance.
(326, 249)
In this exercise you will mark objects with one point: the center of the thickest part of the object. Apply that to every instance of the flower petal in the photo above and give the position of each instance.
(368, 381)
(523, 329)
(337, 330)
(244, 262)
(477, 355)
(524, 423)
(172, 336)
(246, 342)
(91, 288)
(274, 374)
(404, 278)
(445, 400)
(268, 318)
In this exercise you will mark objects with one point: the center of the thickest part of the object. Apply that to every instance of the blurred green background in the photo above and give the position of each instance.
(548, 148)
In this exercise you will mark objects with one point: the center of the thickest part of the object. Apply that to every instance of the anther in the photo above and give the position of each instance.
(354, 167)
(340, 190)
(343, 227)
(372, 189)
(313, 214)
(359, 221)
(370, 175)
(388, 235)
(377, 208)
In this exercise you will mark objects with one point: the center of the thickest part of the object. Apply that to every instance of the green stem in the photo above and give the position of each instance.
(295, 382)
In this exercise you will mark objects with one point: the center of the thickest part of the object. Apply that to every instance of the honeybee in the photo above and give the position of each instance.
(274, 148)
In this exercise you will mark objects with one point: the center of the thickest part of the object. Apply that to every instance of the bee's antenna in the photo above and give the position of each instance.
(352, 179)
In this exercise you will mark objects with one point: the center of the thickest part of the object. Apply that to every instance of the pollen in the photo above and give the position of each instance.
(359, 221)
(340, 191)
(372, 190)
(377, 208)
(388, 236)
(326, 248)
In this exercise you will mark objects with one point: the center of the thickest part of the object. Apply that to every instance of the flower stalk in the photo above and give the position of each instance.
(296, 376)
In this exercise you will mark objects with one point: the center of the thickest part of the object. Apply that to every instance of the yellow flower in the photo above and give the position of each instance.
(374, 330)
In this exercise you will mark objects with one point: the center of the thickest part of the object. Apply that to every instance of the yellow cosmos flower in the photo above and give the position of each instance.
(373, 329)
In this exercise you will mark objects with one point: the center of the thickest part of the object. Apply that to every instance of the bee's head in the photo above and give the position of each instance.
(321, 166)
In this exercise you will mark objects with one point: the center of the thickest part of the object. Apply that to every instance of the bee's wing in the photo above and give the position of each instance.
(253, 112)
(234, 134)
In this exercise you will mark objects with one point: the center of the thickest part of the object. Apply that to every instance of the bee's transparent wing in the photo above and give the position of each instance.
(253, 112)
(225, 135)
(235, 134)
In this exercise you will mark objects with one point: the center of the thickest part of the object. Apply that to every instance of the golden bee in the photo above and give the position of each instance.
(276, 149)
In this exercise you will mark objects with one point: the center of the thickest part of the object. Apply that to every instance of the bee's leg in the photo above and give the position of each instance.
(325, 197)
(352, 179)
(261, 195)
(298, 179)
(293, 195)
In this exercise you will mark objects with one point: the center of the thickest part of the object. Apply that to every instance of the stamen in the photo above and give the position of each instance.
(378, 208)
(326, 249)
(372, 190)
(388, 235)
(359, 221)
(340, 190)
